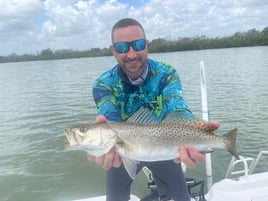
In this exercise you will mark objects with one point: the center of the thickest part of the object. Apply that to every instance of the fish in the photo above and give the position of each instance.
(141, 138)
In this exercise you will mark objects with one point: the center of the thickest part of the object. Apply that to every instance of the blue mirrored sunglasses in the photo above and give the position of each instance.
(123, 47)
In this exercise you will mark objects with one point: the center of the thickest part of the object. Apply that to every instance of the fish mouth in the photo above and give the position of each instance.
(67, 133)
(71, 137)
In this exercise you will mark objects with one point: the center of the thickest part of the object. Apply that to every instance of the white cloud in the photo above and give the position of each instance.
(16, 16)
(83, 25)
(17, 23)
(27, 26)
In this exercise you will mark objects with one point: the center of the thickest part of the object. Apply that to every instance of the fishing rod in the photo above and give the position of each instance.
(205, 117)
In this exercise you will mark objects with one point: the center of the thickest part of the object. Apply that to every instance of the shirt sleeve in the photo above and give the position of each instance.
(105, 101)
(173, 95)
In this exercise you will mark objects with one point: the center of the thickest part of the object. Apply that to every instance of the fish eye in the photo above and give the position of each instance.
(83, 129)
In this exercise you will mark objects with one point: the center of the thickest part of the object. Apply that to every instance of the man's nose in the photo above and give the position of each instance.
(131, 53)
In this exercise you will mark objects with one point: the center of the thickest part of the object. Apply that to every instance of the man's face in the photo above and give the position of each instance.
(132, 62)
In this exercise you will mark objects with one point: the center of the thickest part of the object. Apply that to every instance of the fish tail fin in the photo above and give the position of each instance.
(231, 144)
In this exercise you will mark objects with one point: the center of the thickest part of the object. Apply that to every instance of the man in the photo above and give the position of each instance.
(135, 82)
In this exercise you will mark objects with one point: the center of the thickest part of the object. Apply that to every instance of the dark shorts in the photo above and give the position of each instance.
(168, 177)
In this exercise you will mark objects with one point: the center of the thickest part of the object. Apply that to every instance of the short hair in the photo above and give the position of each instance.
(125, 22)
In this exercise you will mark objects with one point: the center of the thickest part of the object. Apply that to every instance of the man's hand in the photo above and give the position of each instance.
(188, 155)
(111, 159)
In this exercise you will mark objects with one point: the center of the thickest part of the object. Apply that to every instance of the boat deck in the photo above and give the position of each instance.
(247, 188)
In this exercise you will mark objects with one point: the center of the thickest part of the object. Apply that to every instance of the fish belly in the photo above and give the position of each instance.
(149, 153)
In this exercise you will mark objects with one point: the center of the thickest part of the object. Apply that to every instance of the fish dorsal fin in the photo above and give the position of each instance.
(177, 116)
(143, 115)
(130, 166)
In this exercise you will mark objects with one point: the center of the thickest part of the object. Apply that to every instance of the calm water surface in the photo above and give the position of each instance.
(40, 99)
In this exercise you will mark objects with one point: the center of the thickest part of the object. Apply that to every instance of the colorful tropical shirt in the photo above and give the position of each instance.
(117, 99)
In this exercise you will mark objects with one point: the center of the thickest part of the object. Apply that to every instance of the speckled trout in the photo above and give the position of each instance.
(140, 138)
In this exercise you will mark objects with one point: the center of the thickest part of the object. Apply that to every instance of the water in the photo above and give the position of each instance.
(40, 99)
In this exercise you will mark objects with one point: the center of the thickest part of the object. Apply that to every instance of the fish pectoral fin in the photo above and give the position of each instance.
(207, 150)
(130, 166)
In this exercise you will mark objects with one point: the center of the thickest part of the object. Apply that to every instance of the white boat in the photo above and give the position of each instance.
(238, 185)
(248, 186)
(103, 198)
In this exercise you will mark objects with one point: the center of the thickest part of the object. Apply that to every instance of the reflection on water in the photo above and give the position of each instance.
(40, 99)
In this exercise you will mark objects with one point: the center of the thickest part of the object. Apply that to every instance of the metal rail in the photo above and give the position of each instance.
(255, 163)
(248, 165)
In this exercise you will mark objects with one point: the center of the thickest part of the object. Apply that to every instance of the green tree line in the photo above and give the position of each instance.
(252, 37)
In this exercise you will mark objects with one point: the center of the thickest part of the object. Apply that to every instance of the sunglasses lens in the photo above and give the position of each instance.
(139, 45)
(121, 47)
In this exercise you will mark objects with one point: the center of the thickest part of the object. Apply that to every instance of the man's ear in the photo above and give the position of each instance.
(112, 49)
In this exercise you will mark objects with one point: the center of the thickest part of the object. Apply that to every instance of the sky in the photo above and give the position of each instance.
(30, 26)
